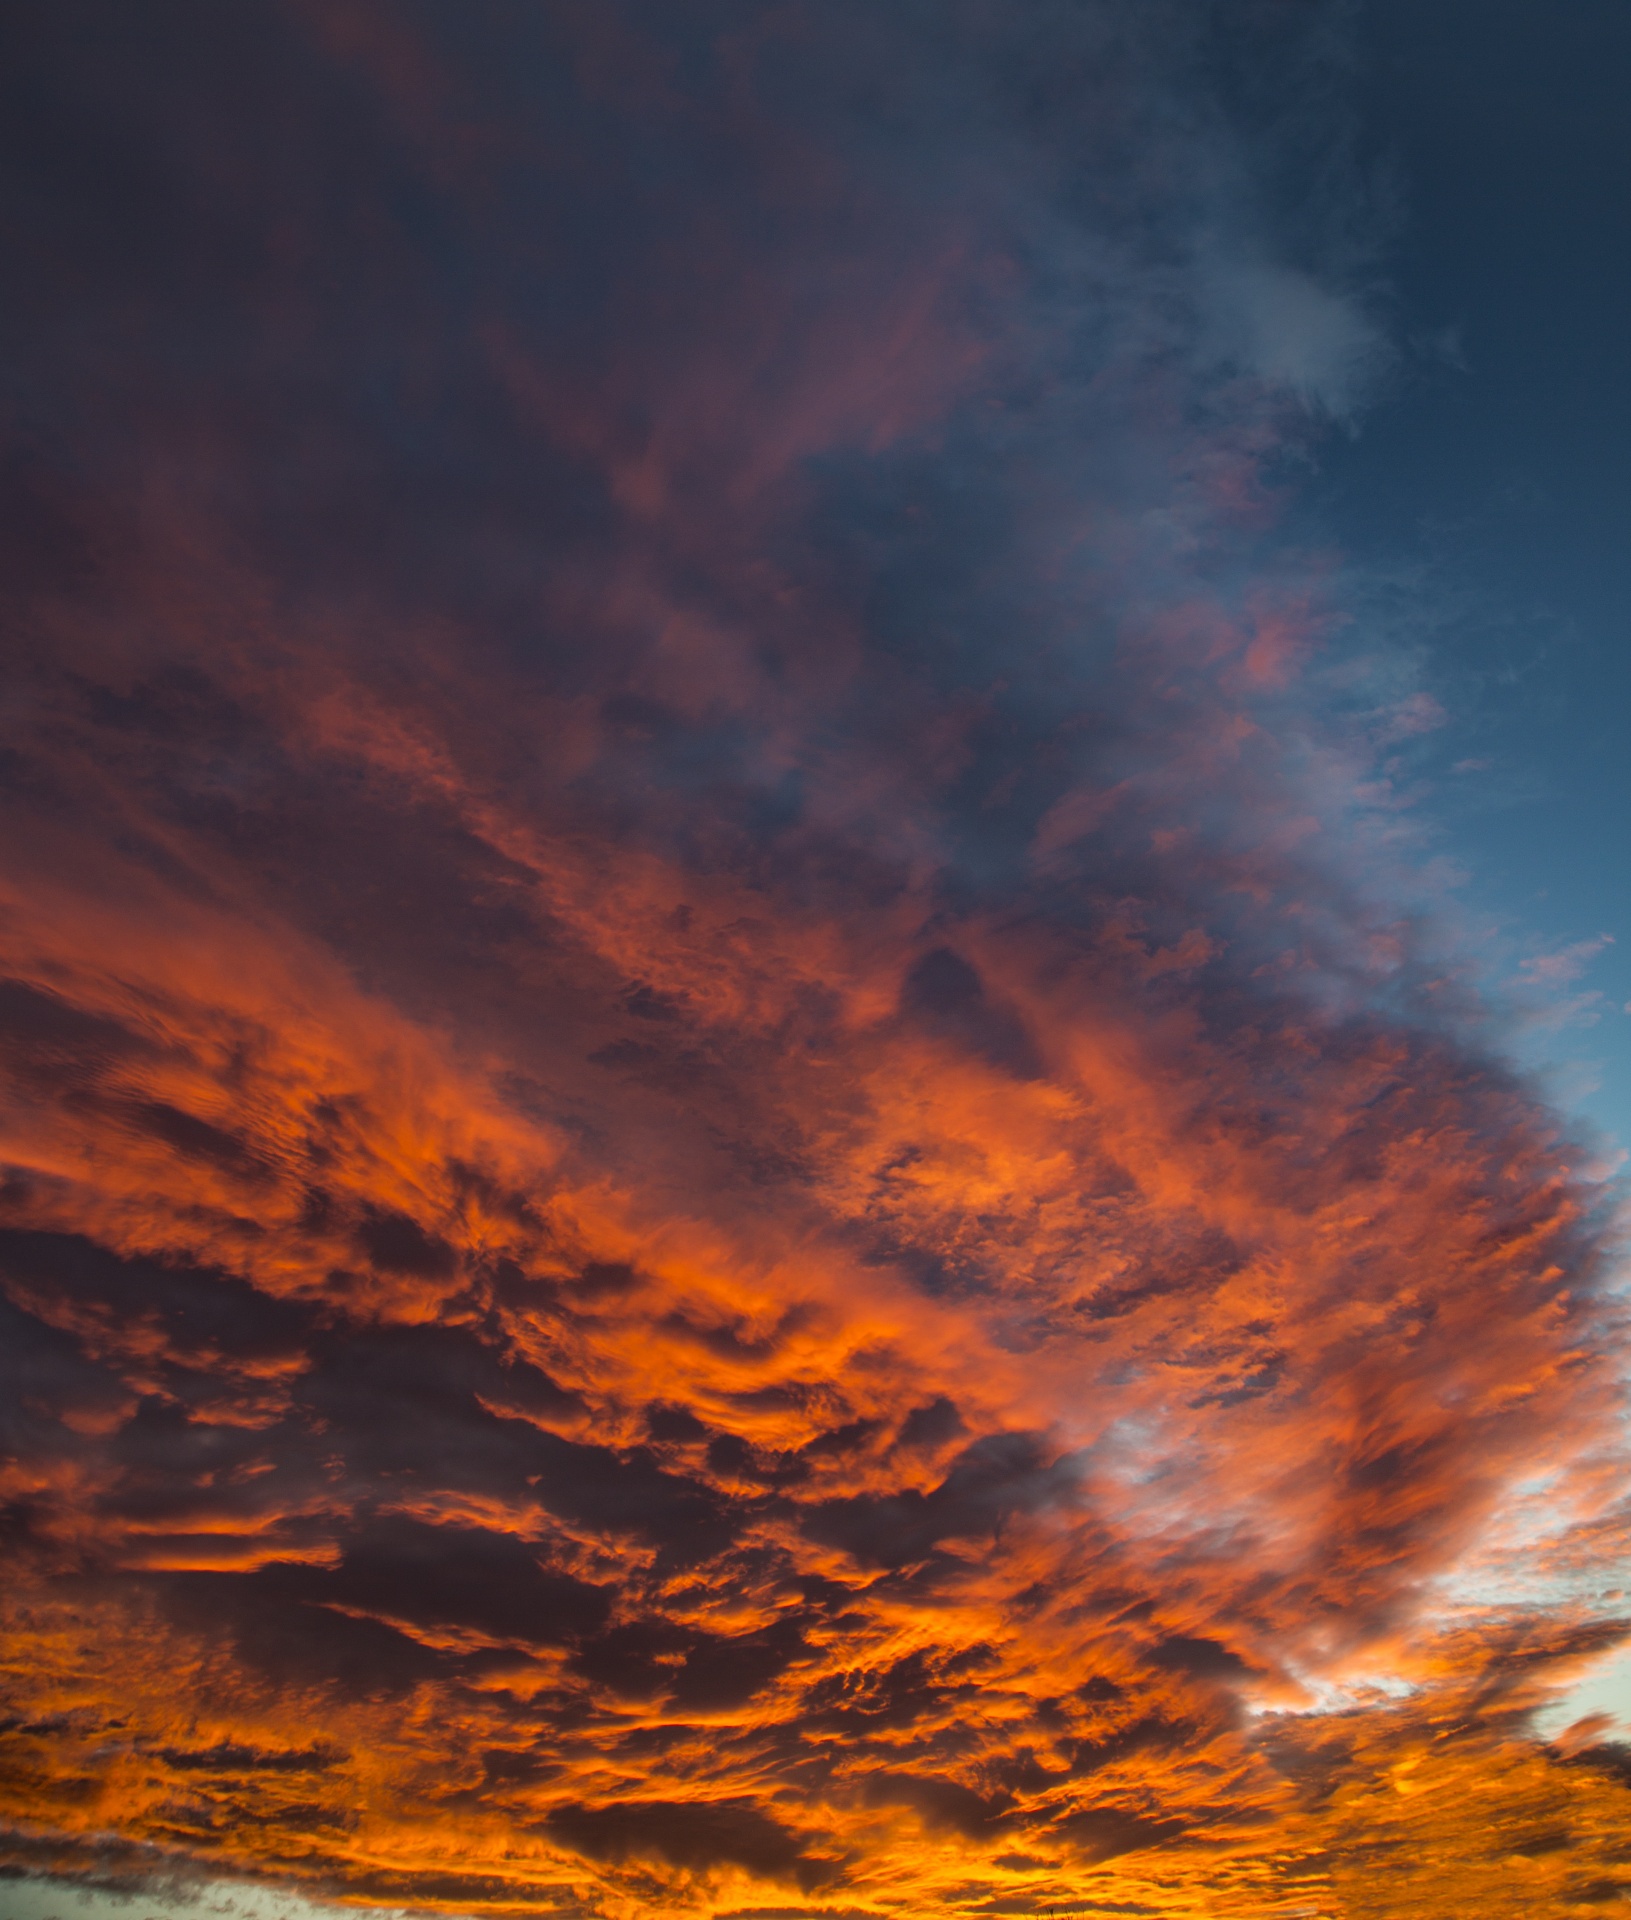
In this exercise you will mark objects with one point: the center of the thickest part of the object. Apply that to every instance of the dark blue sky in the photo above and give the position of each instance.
(1491, 488)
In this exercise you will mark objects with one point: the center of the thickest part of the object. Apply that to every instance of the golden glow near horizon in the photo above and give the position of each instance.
(40, 1898)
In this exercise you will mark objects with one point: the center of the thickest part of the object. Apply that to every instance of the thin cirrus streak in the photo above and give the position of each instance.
(741, 1173)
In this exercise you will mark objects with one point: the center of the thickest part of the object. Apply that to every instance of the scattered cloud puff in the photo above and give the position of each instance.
(1549, 991)
(1293, 333)
(1564, 966)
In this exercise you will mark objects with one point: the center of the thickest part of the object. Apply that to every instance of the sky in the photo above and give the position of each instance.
(1492, 482)
(813, 999)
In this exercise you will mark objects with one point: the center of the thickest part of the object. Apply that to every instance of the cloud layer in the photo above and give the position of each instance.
(738, 1174)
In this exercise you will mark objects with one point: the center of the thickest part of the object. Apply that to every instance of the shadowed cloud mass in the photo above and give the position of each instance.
(741, 1175)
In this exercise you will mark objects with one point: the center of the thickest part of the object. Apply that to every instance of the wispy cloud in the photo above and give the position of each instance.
(1565, 965)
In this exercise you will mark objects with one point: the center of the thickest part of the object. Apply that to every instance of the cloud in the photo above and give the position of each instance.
(1293, 333)
(1566, 965)
(733, 1180)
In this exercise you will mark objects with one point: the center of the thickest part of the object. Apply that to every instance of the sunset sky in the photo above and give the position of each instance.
(815, 996)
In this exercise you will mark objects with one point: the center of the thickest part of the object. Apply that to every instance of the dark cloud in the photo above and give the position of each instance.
(686, 1834)
(227, 1758)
